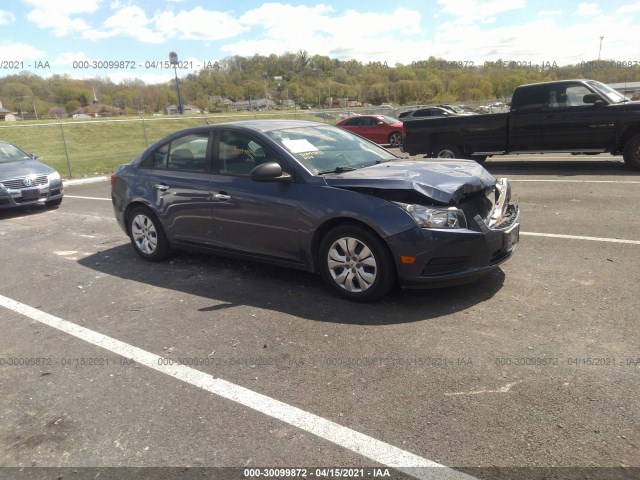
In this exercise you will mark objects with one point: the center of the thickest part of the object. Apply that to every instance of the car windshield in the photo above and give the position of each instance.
(323, 149)
(10, 153)
(388, 119)
(613, 95)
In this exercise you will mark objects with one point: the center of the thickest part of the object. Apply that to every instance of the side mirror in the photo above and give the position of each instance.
(269, 172)
(34, 156)
(593, 99)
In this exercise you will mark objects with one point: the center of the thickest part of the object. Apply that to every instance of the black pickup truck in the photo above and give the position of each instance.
(572, 116)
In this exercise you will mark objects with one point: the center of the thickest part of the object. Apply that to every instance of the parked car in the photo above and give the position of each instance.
(426, 112)
(377, 128)
(319, 198)
(26, 181)
(458, 109)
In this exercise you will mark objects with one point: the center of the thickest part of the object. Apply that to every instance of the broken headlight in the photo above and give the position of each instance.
(432, 217)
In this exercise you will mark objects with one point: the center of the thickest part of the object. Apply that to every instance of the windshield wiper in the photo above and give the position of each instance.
(338, 169)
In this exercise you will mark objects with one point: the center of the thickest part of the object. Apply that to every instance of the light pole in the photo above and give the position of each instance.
(173, 60)
(600, 49)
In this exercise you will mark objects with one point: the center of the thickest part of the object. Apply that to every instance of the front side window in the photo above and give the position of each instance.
(564, 96)
(239, 153)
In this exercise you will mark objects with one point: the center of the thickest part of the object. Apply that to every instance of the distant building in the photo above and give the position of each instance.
(257, 104)
(186, 109)
(220, 100)
(3, 112)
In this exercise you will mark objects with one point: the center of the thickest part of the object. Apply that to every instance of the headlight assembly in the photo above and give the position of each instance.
(53, 176)
(432, 217)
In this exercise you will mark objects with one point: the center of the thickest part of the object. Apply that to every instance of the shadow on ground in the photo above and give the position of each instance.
(228, 283)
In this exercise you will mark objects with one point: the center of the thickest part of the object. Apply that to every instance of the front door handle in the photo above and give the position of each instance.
(222, 196)
(161, 187)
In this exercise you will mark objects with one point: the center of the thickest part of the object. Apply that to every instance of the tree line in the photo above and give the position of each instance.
(297, 78)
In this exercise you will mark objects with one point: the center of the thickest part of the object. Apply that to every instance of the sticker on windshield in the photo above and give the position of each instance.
(299, 146)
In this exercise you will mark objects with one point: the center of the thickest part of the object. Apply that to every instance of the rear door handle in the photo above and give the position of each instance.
(222, 196)
(161, 186)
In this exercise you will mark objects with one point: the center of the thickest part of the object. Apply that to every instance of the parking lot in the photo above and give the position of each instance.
(208, 362)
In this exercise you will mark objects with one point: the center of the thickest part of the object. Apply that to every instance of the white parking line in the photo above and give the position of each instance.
(580, 237)
(357, 442)
(574, 181)
(87, 198)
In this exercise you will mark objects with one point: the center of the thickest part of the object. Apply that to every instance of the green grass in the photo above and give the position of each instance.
(97, 146)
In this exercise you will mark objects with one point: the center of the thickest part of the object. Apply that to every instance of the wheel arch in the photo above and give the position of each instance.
(630, 132)
(323, 229)
(131, 207)
(450, 138)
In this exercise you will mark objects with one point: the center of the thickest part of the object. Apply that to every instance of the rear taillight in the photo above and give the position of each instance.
(114, 178)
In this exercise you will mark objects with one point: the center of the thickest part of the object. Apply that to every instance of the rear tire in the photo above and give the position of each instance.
(447, 151)
(147, 236)
(356, 264)
(631, 152)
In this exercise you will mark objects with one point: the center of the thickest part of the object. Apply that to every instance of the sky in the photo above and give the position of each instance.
(131, 39)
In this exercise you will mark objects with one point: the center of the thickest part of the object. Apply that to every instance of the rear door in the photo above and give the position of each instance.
(527, 118)
(178, 174)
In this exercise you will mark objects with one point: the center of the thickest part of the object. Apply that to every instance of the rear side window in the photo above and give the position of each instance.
(530, 98)
(188, 153)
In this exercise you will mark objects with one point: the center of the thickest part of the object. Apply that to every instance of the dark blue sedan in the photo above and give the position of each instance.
(315, 197)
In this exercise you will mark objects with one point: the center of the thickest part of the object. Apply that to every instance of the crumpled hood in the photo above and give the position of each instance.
(442, 181)
(20, 169)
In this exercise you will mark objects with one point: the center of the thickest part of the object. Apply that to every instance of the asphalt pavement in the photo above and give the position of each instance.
(532, 370)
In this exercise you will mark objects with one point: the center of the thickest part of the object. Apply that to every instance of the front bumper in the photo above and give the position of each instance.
(444, 257)
(11, 196)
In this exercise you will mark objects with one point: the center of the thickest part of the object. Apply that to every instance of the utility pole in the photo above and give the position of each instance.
(600, 49)
(173, 60)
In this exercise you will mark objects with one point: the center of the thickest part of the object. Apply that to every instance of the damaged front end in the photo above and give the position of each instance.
(461, 242)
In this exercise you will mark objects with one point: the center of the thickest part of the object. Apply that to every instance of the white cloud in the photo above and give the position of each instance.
(549, 13)
(20, 51)
(6, 17)
(542, 40)
(198, 24)
(59, 15)
(474, 11)
(322, 30)
(130, 21)
(64, 7)
(588, 9)
(631, 8)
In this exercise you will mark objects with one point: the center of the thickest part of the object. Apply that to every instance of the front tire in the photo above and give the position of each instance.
(631, 152)
(356, 264)
(147, 236)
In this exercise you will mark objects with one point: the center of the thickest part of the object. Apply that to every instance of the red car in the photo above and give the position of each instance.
(377, 128)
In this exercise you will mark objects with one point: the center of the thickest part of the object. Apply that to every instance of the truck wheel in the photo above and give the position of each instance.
(448, 151)
(631, 152)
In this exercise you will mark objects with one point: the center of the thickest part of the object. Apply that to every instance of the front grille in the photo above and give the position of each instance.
(18, 183)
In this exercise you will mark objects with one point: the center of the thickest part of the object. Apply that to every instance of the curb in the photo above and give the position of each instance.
(83, 181)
